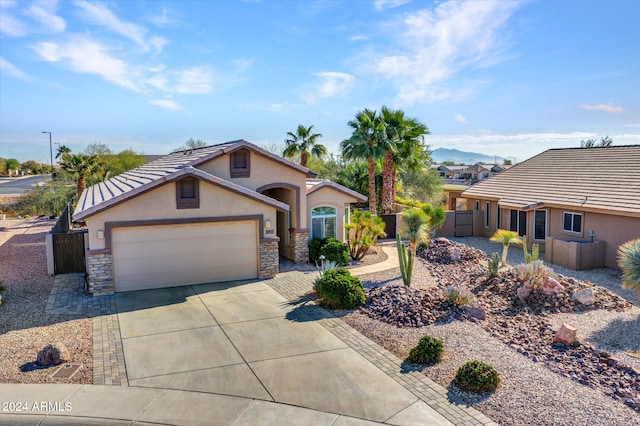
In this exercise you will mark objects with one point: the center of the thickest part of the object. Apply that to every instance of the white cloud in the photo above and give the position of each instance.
(196, 80)
(161, 19)
(87, 56)
(381, 5)
(331, 84)
(12, 26)
(433, 45)
(5, 4)
(158, 43)
(461, 119)
(166, 103)
(11, 70)
(99, 14)
(46, 18)
(614, 109)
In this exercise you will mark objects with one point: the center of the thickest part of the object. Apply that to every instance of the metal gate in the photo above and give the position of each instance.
(464, 223)
(68, 253)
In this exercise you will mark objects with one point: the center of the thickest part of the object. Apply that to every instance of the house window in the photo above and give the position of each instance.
(323, 222)
(539, 224)
(487, 214)
(187, 193)
(240, 164)
(518, 222)
(497, 217)
(477, 205)
(572, 222)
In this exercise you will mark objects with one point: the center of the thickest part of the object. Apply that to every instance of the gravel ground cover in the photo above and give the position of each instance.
(595, 382)
(25, 328)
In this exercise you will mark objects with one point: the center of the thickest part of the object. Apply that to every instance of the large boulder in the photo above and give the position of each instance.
(565, 335)
(475, 312)
(584, 296)
(455, 254)
(53, 354)
(551, 286)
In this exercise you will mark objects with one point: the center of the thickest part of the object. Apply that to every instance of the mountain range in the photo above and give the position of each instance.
(441, 155)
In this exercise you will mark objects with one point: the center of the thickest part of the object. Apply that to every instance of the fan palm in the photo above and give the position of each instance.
(506, 238)
(629, 262)
(364, 144)
(62, 150)
(304, 142)
(81, 166)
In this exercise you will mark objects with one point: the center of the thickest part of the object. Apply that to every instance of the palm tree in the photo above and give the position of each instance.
(404, 148)
(62, 150)
(506, 238)
(629, 262)
(364, 144)
(304, 142)
(416, 223)
(79, 165)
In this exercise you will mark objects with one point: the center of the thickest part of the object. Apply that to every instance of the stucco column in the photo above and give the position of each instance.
(299, 242)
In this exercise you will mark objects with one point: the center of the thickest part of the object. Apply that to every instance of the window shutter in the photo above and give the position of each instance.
(240, 160)
(188, 189)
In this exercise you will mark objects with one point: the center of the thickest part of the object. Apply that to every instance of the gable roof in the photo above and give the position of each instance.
(603, 179)
(168, 168)
(316, 184)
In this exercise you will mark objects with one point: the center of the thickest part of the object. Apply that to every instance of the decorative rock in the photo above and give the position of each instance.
(584, 296)
(475, 312)
(551, 286)
(455, 254)
(565, 335)
(55, 354)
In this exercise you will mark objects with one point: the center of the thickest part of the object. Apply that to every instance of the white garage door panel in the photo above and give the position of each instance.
(166, 256)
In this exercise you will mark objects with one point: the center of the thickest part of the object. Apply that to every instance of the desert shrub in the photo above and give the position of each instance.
(493, 265)
(429, 349)
(314, 248)
(335, 251)
(477, 376)
(629, 262)
(531, 277)
(423, 245)
(363, 232)
(458, 295)
(337, 289)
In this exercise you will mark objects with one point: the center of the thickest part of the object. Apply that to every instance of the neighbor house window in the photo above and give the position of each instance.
(187, 193)
(518, 222)
(477, 205)
(323, 222)
(487, 214)
(497, 217)
(572, 222)
(240, 164)
(539, 224)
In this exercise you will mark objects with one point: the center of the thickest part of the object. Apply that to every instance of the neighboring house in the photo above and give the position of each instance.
(218, 213)
(469, 174)
(564, 199)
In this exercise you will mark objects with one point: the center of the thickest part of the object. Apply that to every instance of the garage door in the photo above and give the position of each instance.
(165, 256)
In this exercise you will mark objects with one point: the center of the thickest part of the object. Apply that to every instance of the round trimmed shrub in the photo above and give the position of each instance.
(336, 251)
(477, 376)
(314, 248)
(429, 349)
(338, 289)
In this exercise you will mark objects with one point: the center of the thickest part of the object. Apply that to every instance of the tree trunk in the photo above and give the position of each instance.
(388, 184)
(82, 185)
(505, 250)
(303, 158)
(372, 185)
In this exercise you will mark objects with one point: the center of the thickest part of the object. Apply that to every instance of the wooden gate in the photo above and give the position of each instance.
(464, 223)
(68, 252)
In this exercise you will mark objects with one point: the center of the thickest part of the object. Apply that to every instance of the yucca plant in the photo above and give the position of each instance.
(416, 222)
(506, 238)
(629, 262)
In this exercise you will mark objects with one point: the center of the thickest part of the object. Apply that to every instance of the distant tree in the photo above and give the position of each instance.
(592, 143)
(98, 149)
(422, 184)
(62, 149)
(79, 166)
(274, 148)
(448, 163)
(506, 162)
(191, 144)
(13, 164)
(304, 142)
(3, 165)
(30, 166)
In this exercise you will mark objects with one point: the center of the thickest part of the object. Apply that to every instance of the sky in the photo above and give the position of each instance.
(505, 78)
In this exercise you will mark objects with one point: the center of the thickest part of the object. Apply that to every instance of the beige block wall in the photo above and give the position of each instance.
(160, 203)
(264, 171)
(330, 197)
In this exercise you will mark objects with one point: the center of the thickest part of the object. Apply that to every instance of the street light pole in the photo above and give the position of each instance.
(50, 152)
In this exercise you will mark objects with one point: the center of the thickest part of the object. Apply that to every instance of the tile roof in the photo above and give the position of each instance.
(315, 184)
(589, 179)
(167, 168)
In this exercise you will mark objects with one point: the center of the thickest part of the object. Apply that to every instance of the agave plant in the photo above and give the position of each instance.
(506, 238)
(629, 262)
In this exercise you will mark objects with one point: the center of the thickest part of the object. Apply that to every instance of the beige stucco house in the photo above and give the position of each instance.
(219, 213)
(565, 199)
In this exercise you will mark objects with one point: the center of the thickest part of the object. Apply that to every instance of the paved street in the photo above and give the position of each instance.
(16, 186)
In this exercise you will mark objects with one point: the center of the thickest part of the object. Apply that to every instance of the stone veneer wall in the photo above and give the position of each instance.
(299, 245)
(100, 274)
(269, 259)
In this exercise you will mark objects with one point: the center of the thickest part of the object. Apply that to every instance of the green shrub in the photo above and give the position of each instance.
(494, 265)
(314, 249)
(478, 377)
(335, 251)
(337, 289)
(429, 349)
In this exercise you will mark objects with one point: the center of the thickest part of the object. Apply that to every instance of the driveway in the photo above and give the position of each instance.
(244, 339)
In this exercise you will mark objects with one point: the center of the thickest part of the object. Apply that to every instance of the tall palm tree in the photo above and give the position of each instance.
(62, 150)
(81, 166)
(404, 148)
(365, 144)
(304, 142)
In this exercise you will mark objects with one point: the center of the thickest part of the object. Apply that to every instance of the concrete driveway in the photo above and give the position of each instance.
(245, 340)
